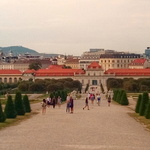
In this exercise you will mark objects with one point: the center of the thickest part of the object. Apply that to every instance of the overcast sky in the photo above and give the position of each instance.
(75, 26)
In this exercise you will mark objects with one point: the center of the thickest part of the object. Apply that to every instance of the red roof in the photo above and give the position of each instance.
(94, 65)
(29, 71)
(139, 61)
(56, 70)
(10, 71)
(131, 72)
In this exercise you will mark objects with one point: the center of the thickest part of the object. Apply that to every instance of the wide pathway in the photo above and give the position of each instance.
(100, 128)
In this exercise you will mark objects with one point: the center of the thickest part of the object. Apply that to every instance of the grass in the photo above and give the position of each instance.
(17, 120)
(141, 119)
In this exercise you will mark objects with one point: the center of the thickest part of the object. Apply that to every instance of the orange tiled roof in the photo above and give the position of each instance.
(139, 61)
(56, 70)
(94, 65)
(29, 71)
(131, 72)
(10, 71)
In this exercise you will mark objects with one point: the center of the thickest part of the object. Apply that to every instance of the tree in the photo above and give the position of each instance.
(147, 112)
(2, 114)
(23, 86)
(102, 88)
(144, 102)
(36, 65)
(19, 104)
(124, 99)
(137, 108)
(26, 104)
(10, 110)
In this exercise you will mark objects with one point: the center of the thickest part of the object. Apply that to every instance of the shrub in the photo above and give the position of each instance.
(10, 110)
(124, 99)
(147, 112)
(19, 104)
(26, 103)
(144, 102)
(137, 108)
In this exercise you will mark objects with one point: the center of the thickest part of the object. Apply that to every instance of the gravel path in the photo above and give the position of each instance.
(100, 128)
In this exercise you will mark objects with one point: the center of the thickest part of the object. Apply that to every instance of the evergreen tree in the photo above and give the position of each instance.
(137, 108)
(147, 112)
(119, 95)
(124, 99)
(10, 110)
(19, 104)
(2, 114)
(26, 103)
(144, 102)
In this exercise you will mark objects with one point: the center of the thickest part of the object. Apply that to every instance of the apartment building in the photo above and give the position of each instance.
(117, 60)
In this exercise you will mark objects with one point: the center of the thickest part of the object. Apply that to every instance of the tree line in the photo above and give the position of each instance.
(49, 85)
(129, 84)
(19, 106)
(120, 97)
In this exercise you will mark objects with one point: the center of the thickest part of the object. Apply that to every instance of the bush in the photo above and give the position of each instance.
(137, 108)
(124, 99)
(26, 103)
(147, 112)
(144, 102)
(2, 114)
(19, 104)
(10, 110)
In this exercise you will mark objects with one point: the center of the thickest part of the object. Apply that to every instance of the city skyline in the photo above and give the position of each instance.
(75, 26)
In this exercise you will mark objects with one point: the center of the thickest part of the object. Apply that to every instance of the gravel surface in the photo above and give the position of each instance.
(100, 128)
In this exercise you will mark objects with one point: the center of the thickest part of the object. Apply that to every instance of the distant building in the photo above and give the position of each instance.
(139, 63)
(117, 61)
(91, 56)
(73, 63)
(147, 52)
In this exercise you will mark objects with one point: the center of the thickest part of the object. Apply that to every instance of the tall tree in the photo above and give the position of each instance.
(144, 102)
(19, 104)
(124, 99)
(147, 112)
(10, 110)
(137, 108)
(26, 103)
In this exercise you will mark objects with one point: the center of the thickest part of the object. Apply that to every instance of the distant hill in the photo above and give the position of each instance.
(16, 50)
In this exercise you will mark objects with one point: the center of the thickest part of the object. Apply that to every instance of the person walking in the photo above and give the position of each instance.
(44, 106)
(109, 100)
(98, 99)
(54, 101)
(59, 101)
(71, 104)
(68, 104)
(86, 104)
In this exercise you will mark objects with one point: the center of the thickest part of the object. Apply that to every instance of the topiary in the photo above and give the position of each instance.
(26, 103)
(10, 110)
(137, 108)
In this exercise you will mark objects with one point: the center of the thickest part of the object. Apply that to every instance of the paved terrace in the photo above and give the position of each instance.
(100, 128)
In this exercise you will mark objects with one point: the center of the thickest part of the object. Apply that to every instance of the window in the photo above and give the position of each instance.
(5, 80)
(15, 80)
(94, 82)
(10, 80)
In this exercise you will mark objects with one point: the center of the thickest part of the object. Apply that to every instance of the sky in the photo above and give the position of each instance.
(75, 26)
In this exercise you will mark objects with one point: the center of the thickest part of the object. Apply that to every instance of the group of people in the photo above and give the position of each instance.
(98, 97)
(50, 101)
(70, 102)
